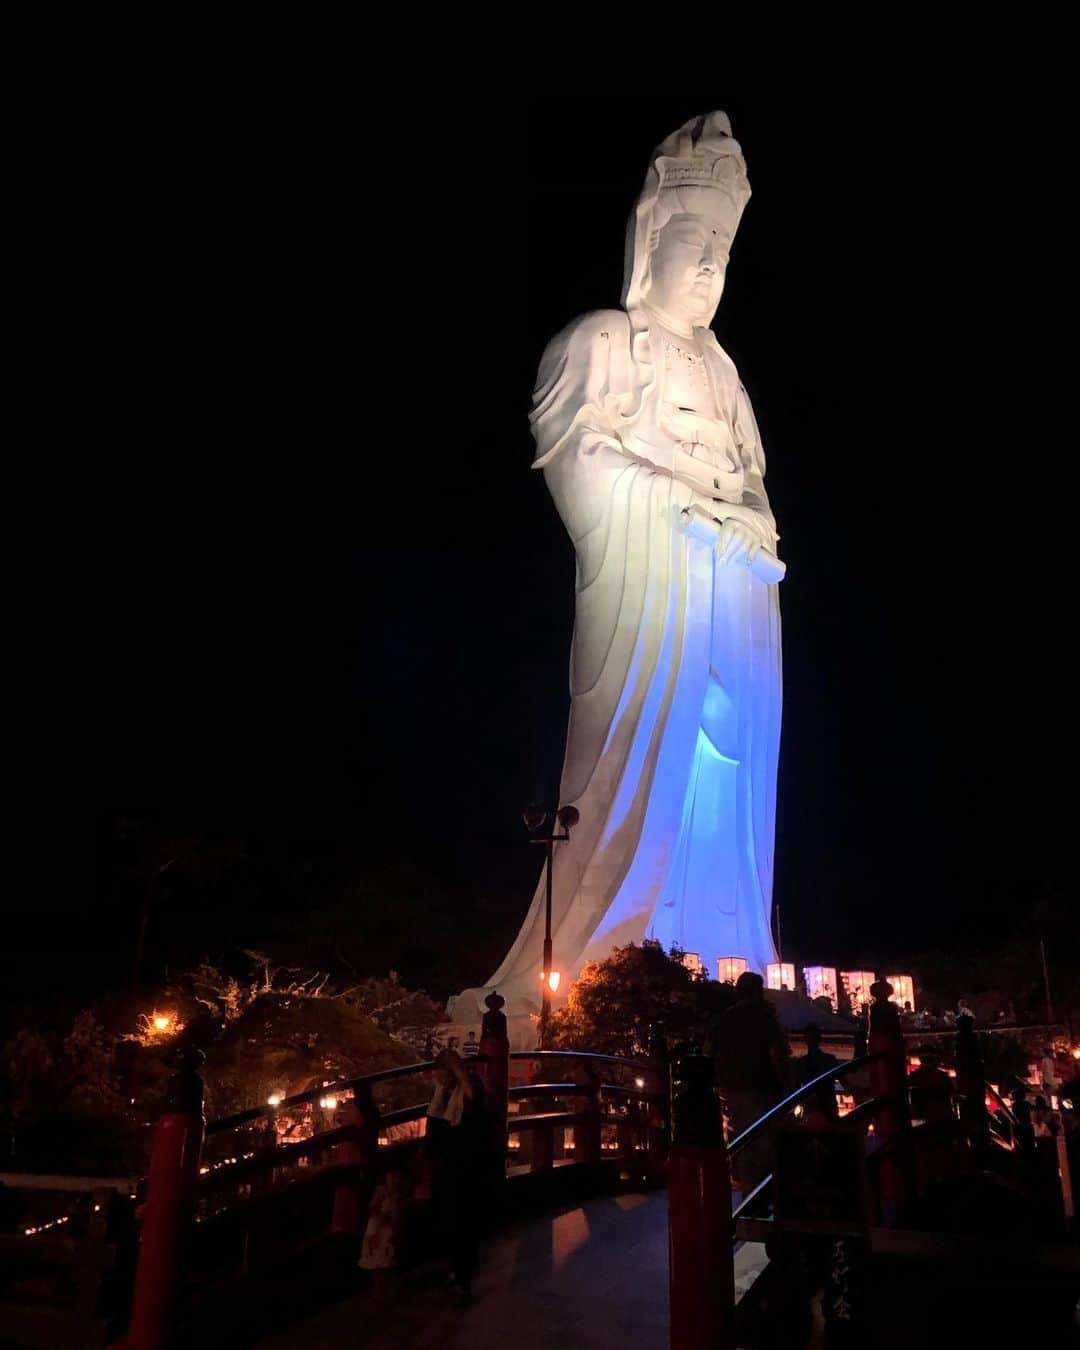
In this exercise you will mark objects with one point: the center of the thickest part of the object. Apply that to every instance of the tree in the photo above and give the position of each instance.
(613, 1003)
(82, 1098)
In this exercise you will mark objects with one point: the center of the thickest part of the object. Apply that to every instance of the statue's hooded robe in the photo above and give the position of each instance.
(675, 670)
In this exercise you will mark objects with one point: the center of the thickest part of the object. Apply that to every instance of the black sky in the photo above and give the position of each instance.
(324, 603)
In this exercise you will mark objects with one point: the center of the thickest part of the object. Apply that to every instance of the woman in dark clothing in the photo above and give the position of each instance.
(458, 1147)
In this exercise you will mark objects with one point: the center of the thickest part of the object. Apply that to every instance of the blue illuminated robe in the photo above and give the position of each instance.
(675, 676)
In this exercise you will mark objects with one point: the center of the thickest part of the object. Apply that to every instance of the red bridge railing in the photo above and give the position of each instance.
(228, 1202)
(248, 1205)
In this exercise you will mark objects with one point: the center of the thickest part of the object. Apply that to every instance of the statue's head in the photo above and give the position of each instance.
(688, 255)
(684, 221)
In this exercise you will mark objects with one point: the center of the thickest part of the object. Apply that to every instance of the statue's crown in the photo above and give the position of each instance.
(703, 153)
(702, 170)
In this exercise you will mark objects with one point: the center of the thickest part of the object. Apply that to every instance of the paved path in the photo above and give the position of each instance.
(594, 1276)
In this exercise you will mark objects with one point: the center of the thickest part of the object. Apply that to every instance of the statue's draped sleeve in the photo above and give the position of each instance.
(748, 440)
(594, 379)
(589, 392)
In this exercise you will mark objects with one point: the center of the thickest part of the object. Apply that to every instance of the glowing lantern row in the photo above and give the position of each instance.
(821, 983)
(730, 968)
(693, 963)
(857, 986)
(903, 990)
(780, 975)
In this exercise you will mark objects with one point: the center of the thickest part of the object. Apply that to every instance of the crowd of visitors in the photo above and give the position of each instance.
(754, 1071)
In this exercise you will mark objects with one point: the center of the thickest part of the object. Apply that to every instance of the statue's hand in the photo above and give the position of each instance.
(737, 543)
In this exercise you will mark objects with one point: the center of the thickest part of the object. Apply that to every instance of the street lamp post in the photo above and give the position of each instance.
(534, 817)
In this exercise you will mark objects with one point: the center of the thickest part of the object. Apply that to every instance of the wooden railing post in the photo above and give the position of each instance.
(892, 1118)
(971, 1087)
(625, 1132)
(587, 1134)
(700, 1228)
(170, 1207)
(495, 1049)
(543, 1148)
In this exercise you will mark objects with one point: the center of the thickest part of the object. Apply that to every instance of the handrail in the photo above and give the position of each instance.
(583, 1054)
(520, 1090)
(403, 1115)
(807, 1090)
(861, 1109)
(270, 1159)
(1002, 1103)
(542, 1119)
(341, 1085)
(402, 1071)
(742, 1212)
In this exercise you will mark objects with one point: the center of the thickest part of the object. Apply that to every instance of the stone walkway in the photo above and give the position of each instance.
(581, 1278)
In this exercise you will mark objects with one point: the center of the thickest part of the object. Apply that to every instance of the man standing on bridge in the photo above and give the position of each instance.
(751, 1055)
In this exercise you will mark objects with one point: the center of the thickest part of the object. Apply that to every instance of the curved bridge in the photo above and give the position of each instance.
(617, 1216)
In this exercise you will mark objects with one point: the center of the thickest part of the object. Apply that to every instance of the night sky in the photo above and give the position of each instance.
(325, 606)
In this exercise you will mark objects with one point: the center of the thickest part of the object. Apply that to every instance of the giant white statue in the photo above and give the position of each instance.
(650, 451)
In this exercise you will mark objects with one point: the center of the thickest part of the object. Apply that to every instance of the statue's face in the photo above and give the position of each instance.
(686, 271)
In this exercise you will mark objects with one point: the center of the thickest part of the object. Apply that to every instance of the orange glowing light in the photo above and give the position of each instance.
(161, 1022)
(1076, 1052)
(553, 978)
(328, 1103)
(914, 1062)
(275, 1099)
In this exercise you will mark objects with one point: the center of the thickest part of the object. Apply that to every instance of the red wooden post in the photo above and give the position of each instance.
(701, 1233)
(892, 1118)
(495, 1049)
(588, 1133)
(170, 1207)
(362, 1115)
(543, 1148)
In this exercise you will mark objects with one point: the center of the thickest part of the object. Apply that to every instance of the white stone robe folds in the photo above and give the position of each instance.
(675, 671)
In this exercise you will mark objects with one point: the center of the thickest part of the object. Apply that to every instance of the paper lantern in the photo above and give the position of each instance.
(780, 975)
(857, 986)
(903, 990)
(821, 983)
(730, 968)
